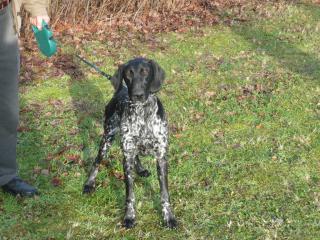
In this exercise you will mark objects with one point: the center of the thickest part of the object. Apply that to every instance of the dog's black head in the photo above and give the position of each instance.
(142, 77)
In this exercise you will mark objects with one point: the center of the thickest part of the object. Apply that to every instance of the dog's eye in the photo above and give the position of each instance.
(144, 71)
(130, 73)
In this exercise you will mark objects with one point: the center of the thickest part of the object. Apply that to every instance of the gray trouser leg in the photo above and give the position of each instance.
(9, 109)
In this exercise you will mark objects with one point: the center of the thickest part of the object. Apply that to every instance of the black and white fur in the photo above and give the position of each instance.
(140, 116)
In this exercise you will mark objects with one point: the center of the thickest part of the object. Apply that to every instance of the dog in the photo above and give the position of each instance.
(137, 112)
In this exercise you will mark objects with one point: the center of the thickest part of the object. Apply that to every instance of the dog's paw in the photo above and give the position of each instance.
(144, 173)
(129, 223)
(87, 189)
(172, 223)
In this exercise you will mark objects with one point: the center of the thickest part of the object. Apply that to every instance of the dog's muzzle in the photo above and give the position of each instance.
(138, 98)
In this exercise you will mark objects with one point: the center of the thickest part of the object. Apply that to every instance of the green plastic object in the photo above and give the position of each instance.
(44, 37)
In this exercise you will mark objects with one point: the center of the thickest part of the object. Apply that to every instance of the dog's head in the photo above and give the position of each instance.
(142, 77)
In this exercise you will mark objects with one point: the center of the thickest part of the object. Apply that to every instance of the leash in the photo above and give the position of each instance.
(94, 67)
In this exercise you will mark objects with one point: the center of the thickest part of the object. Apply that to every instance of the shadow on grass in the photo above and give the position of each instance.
(86, 97)
(88, 103)
(155, 196)
(31, 148)
(286, 53)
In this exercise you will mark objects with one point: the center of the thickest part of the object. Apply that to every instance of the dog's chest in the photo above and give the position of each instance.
(143, 131)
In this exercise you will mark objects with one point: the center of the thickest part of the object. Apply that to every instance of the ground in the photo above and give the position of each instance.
(242, 99)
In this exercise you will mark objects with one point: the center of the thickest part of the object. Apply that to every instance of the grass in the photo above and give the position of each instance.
(244, 112)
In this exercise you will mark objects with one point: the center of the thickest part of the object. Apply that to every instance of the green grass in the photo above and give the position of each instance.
(244, 111)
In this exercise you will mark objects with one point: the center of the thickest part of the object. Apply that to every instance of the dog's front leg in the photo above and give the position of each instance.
(128, 167)
(162, 169)
(91, 181)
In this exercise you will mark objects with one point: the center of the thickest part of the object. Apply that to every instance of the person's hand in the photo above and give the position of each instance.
(37, 21)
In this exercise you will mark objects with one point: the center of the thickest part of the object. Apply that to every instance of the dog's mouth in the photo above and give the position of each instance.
(140, 101)
(138, 98)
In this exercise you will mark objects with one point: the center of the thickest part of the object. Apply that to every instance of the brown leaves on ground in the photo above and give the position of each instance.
(207, 96)
(108, 17)
(196, 116)
(73, 159)
(65, 64)
(41, 171)
(62, 151)
(23, 128)
(117, 174)
(56, 181)
(177, 129)
(250, 91)
(143, 16)
(118, 27)
(33, 67)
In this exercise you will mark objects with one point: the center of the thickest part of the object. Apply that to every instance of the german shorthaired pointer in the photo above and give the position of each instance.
(140, 116)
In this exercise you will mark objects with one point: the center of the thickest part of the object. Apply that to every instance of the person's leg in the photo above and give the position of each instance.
(9, 111)
(9, 107)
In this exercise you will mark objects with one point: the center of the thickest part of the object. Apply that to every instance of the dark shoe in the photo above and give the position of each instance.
(18, 187)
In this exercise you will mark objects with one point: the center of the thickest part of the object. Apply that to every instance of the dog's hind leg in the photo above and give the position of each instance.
(140, 170)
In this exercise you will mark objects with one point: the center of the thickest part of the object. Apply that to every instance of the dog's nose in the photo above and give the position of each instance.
(138, 97)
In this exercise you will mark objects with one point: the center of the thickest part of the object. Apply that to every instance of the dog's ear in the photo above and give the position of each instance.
(157, 76)
(117, 77)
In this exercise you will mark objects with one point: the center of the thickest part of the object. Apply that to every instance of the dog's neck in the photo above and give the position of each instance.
(143, 110)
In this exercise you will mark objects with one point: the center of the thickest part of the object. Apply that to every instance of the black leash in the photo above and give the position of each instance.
(95, 67)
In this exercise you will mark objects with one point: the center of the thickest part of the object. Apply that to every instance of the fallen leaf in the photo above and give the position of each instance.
(73, 158)
(23, 129)
(45, 172)
(236, 146)
(37, 170)
(118, 175)
(56, 182)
